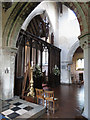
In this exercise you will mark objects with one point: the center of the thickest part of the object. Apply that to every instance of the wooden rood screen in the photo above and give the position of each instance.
(26, 74)
(33, 42)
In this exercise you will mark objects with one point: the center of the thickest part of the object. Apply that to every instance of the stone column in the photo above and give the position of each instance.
(85, 44)
(0, 47)
(0, 23)
(65, 72)
(7, 71)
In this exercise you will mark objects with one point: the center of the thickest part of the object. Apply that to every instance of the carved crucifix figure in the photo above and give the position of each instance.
(47, 30)
(52, 38)
(40, 29)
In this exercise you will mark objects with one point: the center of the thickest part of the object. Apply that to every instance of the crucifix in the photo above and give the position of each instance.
(46, 28)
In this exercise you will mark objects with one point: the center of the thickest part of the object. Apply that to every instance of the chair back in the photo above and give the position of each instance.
(49, 95)
(39, 93)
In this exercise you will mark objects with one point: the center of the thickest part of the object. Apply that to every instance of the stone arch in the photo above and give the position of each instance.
(72, 51)
(31, 16)
(15, 21)
(81, 11)
(22, 10)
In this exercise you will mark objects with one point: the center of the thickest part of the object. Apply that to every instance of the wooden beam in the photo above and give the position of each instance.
(41, 58)
(25, 33)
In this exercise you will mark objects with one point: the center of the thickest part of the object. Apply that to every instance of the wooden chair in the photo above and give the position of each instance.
(49, 96)
(39, 95)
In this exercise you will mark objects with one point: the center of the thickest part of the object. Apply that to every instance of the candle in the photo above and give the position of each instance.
(31, 63)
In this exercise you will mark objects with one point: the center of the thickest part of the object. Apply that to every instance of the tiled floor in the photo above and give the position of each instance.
(18, 108)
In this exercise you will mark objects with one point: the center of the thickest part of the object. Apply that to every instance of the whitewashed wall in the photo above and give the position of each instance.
(68, 35)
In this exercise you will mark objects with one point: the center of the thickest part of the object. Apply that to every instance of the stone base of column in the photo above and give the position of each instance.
(84, 115)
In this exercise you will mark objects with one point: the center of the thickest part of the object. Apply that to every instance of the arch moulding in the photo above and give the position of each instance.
(72, 51)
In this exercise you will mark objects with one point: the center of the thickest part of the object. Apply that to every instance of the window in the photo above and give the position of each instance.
(45, 57)
(80, 64)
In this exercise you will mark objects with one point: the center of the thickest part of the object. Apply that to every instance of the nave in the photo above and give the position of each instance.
(46, 34)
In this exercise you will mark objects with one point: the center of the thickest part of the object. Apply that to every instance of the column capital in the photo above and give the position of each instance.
(84, 40)
(9, 50)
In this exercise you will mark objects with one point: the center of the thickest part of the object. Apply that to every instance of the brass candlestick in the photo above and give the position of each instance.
(31, 92)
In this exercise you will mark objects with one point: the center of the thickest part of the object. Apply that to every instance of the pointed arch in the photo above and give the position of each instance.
(22, 10)
(72, 51)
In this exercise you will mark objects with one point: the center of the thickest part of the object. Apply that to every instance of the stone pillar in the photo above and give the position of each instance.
(7, 71)
(65, 72)
(0, 73)
(0, 47)
(0, 23)
(85, 44)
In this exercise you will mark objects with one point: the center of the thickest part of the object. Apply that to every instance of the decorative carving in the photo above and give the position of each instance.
(21, 40)
(12, 59)
(84, 41)
(84, 44)
(9, 51)
(40, 29)
(52, 38)
(7, 5)
(46, 27)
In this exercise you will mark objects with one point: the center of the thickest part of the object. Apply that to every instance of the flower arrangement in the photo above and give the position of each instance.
(56, 70)
(37, 72)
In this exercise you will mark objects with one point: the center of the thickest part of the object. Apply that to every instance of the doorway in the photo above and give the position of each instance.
(77, 68)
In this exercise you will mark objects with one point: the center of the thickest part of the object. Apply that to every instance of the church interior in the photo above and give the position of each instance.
(44, 60)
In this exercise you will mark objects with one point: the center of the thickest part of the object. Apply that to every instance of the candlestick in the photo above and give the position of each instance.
(31, 90)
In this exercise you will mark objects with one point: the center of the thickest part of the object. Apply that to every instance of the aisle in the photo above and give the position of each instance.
(71, 102)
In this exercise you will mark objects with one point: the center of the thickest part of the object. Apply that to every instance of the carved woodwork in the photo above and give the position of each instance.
(34, 42)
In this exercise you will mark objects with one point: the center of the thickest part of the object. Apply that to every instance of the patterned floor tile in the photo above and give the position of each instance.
(9, 100)
(15, 108)
(11, 106)
(7, 112)
(21, 111)
(13, 115)
(5, 108)
(22, 106)
(17, 104)
(28, 108)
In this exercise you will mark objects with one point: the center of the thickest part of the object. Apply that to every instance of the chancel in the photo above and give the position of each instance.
(44, 60)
